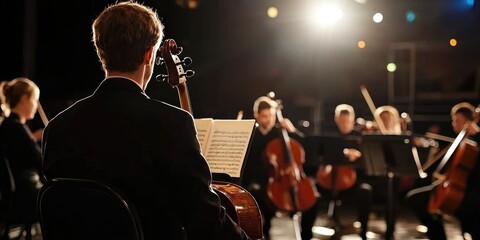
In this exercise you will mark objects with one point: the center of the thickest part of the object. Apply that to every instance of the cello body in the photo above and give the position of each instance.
(289, 188)
(338, 178)
(241, 207)
(450, 190)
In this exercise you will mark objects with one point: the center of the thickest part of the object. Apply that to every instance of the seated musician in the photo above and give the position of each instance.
(463, 117)
(344, 119)
(388, 123)
(390, 119)
(146, 148)
(256, 172)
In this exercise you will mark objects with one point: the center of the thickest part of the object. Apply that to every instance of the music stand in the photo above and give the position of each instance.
(384, 153)
(389, 155)
(327, 149)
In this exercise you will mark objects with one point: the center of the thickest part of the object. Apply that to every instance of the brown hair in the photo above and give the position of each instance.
(12, 91)
(122, 34)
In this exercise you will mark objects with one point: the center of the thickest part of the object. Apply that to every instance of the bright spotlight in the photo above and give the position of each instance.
(328, 14)
(272, 12)
(391, 67)
(377, 17)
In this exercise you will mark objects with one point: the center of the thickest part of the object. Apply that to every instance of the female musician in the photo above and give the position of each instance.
(463, 117)
(19, 146)
(390, 119)
(389, 123)
(256, 172)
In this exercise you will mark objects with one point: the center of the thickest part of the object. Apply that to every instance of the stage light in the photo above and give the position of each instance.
(410, 16)
(327, 14)
(272, 12)
(391, 67)
(377, 17)
(453, 42)
(361, 44)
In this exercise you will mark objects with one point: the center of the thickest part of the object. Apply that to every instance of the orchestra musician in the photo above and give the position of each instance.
(388, 123)
(19, 148)
(463, 117)
(256, 172)
(147, 149)
(345, 121)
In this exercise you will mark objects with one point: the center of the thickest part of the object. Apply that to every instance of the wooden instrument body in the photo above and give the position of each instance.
(239, 203)
(338, 178)
(450, 190)
(241, 207)
(289, 188)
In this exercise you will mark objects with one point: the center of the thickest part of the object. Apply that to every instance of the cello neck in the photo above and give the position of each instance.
(184, 97)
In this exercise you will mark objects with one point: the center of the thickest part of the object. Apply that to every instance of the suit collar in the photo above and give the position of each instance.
(120, 83)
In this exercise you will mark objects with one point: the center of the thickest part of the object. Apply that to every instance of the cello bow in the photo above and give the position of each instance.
(372, 108)
(238, 202)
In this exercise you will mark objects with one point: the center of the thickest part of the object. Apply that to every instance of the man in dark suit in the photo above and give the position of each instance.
(146, 148)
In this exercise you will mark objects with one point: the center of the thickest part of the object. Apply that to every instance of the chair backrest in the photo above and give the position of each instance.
(86, 209)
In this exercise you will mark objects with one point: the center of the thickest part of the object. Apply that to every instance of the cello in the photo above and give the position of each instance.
(338, 177)
(449, 187)
(238, 202)
(289, 188)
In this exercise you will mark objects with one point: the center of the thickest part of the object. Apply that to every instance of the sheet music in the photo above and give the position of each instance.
(227, 143)
(203, 126)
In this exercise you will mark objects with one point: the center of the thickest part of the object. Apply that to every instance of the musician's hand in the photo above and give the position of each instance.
(288, 125)
(352, 154)
(37, 135)
(472, 128)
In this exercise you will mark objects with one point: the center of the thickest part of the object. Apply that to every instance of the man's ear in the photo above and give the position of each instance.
(148, 57)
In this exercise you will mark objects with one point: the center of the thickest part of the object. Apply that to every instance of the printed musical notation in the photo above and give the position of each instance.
(225, 143)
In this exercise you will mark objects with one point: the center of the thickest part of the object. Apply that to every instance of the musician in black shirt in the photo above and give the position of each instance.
(463, 118)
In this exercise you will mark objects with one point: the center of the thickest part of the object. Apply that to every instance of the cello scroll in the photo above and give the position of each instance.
(239, 204)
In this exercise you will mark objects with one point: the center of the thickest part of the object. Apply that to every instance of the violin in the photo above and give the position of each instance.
(238, 202)
(289, 188)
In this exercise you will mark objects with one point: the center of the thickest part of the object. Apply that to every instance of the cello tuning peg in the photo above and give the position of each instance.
(177, 50)
(159, 61)
(188, 73)
(161, 77)
(187, 61)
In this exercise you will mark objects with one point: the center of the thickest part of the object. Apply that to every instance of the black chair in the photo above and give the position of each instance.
(13, 212)
(86, 209)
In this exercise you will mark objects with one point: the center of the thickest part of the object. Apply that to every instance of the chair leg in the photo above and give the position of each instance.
(28, 229)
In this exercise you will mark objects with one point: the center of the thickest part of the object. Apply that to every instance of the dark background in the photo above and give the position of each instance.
(240, 54)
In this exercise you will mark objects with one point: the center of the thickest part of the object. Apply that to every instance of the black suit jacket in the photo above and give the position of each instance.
(24, 158)
(146, 148)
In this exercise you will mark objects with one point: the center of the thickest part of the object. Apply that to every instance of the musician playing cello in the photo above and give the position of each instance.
(345, 121)
(146, 148)
(256, 172)
(468, 212)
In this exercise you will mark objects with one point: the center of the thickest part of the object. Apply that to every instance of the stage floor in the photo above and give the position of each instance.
(406, 228)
